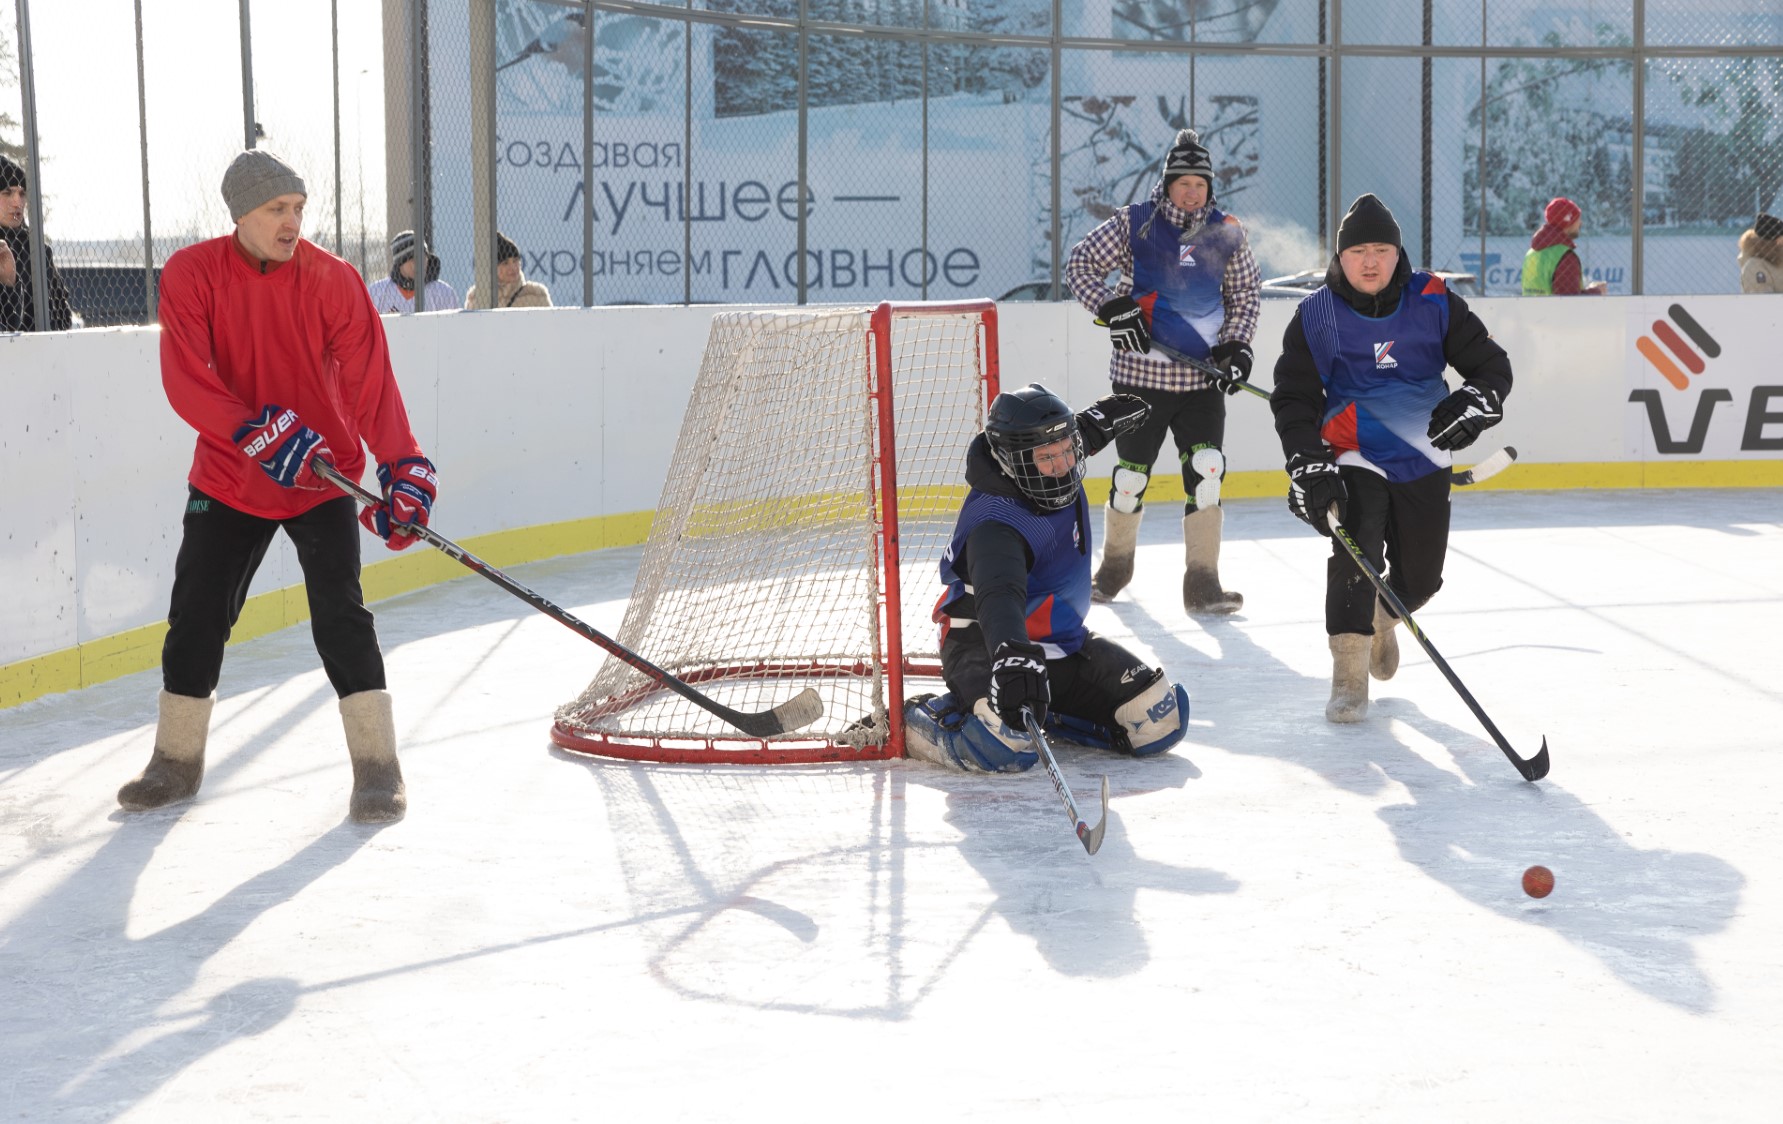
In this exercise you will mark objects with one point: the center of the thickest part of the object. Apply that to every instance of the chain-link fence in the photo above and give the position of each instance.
(782, 151)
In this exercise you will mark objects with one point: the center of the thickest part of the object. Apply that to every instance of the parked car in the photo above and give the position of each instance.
(1034, 291)
(1294, 286)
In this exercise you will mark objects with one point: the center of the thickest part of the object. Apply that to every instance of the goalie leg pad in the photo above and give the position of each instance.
(1156, 718)
(1202, 473)
(1079, 731)
(1127, 492)
(937, 729)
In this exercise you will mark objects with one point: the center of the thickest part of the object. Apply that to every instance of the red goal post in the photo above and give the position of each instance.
(812, 490)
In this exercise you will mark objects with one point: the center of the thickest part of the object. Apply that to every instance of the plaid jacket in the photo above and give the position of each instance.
(1107, 249)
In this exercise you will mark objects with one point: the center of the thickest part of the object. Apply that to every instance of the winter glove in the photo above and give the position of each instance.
(1236, 358)
(1110, 417)
(409, 490)
(1463, 415)
(1125, 322)
(284, 447)
(1314, 484)
(1018, 680)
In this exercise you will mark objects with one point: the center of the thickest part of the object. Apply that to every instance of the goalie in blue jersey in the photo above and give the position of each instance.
(1017, 572)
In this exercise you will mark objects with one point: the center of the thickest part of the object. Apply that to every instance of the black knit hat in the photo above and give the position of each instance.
(1767, 226)
(1367, 220)
(1187, 157)
(12, 175)
(402, 248)
(505, 249)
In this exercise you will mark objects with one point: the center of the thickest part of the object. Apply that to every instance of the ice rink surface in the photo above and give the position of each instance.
(1288, 921)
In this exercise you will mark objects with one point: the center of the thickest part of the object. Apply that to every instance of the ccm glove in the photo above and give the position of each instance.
(1110, 417)
(284, 447)
(409, 490)
(1018, 680)
(1314, 484)
(1125, 322)
(1463, 415)
(1235, 357)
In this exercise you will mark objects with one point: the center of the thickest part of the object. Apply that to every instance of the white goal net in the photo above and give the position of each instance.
(812, 490)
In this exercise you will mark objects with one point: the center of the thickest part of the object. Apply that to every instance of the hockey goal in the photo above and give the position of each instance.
(812, 490)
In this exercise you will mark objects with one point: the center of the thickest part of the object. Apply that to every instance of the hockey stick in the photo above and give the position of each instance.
(1488, 466)
(1219, 376)
(1533, 768)
(799, 711)
(1091, 837)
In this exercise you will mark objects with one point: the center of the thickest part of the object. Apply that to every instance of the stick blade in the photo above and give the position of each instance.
(1091, 837)
(795, 713)
(1488, 467)
(1535, 768)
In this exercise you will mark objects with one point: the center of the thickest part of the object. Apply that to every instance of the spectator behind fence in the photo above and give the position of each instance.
(513, 290)
(396, 293)
(1761, 256)
(1552, 267)
(18, 308)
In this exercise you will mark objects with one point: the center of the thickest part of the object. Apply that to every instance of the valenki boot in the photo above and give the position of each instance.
(378, 792)
(1201, 592)
(1349, 678)
(1120, 537)
(1383, 655)
(176, 767)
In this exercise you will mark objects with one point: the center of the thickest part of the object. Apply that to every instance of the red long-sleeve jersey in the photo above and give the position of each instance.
(303, 335)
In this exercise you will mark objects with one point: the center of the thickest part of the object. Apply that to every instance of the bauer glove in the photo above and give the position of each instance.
(1463, 416)
(284, 447)
(1314, 484)
(409, 490)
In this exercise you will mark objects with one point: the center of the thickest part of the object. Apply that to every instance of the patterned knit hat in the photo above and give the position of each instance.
(1188, 157)
(402, 249)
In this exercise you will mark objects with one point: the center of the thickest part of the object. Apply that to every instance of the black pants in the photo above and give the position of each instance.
(1195, 418)
(219, 553)
(1408, 525)
(1089, 683)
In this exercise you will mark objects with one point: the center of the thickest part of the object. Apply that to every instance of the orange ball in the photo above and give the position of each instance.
(1538, 882)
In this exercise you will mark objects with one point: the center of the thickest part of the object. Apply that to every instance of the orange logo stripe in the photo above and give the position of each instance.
(1662, 362)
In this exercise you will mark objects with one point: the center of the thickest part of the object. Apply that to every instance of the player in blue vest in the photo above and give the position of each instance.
(1017, 573)
(1184, 277)
(1368, 424)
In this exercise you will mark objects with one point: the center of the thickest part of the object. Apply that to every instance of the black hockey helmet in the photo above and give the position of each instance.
(1021, 421)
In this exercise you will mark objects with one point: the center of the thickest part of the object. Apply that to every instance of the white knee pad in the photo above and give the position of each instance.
(1210, 465)
(1156, 718)
(1128, 486)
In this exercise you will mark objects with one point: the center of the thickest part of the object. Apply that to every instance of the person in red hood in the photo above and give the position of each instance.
(272, 351)
(1551, 267)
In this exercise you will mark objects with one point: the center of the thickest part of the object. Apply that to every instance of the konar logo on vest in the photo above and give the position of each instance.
(1382, 360)
(1185, 255)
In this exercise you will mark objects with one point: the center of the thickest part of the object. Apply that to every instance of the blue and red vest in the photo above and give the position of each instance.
(1177, 277)
(1059, 583)
(1383, 376)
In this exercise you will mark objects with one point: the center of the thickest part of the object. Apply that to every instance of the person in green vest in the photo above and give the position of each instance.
(1552, 267)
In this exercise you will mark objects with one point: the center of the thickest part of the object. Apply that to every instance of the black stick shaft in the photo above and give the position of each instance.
(790, 715)
(1533, 768)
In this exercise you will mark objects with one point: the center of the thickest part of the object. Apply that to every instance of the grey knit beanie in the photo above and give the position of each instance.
(256, 176)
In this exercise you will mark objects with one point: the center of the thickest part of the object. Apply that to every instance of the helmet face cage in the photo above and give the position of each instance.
(1023, 421)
